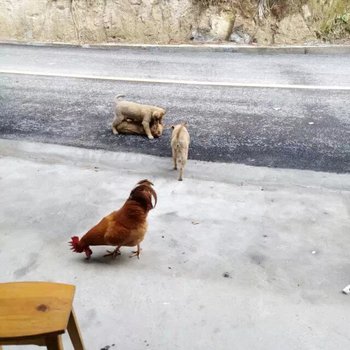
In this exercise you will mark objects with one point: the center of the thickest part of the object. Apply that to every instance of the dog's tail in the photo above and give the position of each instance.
(183, 125)
(118, 97)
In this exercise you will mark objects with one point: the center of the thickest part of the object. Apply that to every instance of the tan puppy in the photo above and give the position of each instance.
(180, 142)
(138, 113)
(129, 127)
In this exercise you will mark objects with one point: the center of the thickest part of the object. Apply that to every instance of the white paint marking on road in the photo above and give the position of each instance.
(180, 82)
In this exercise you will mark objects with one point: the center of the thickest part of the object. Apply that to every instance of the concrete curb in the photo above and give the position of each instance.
(141, 164)
(287, 49)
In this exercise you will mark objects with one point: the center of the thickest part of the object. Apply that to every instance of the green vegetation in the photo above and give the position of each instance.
(330, 19)
(336, 20)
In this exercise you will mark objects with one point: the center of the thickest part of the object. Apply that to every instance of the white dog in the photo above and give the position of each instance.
(144, 115)
(180, 142)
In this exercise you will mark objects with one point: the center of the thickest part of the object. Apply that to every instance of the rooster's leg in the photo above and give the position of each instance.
(113, 253)
(88, 253)
(136, 253)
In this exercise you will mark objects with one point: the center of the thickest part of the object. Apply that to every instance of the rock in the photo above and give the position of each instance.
(97, 21)
(292, 30)
(163, 22)
(239, 36)
(213, 25)
(221, 25)
(201, 35)
(306, 12)
(264, 34)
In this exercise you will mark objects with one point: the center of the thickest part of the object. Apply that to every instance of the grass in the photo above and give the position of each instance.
(331, 19)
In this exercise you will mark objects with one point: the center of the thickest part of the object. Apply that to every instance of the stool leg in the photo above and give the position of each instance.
(74, 332)
(54, 342)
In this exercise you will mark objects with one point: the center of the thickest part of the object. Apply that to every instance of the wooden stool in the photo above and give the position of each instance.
(37, 313)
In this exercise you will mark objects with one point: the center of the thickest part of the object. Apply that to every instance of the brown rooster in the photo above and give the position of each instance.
(124, 227)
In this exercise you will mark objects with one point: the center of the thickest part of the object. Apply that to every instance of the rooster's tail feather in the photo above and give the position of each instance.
(75, 245)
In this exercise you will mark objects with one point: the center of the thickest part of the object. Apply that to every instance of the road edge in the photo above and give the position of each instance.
(251, 49)
(138, 163)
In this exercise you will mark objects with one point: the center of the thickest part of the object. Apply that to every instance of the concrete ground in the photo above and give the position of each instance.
(236, 257)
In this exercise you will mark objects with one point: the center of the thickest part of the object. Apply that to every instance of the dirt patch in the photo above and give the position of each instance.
(263, 22)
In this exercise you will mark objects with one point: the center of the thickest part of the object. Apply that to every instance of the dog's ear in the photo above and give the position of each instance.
(156, 115)
(185, 123)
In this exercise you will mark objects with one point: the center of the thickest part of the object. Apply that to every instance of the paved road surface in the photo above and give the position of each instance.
(290, 127)
(181, 64)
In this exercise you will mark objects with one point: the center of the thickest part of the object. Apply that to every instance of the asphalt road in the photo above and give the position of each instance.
(180, 64)
(303, 128)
